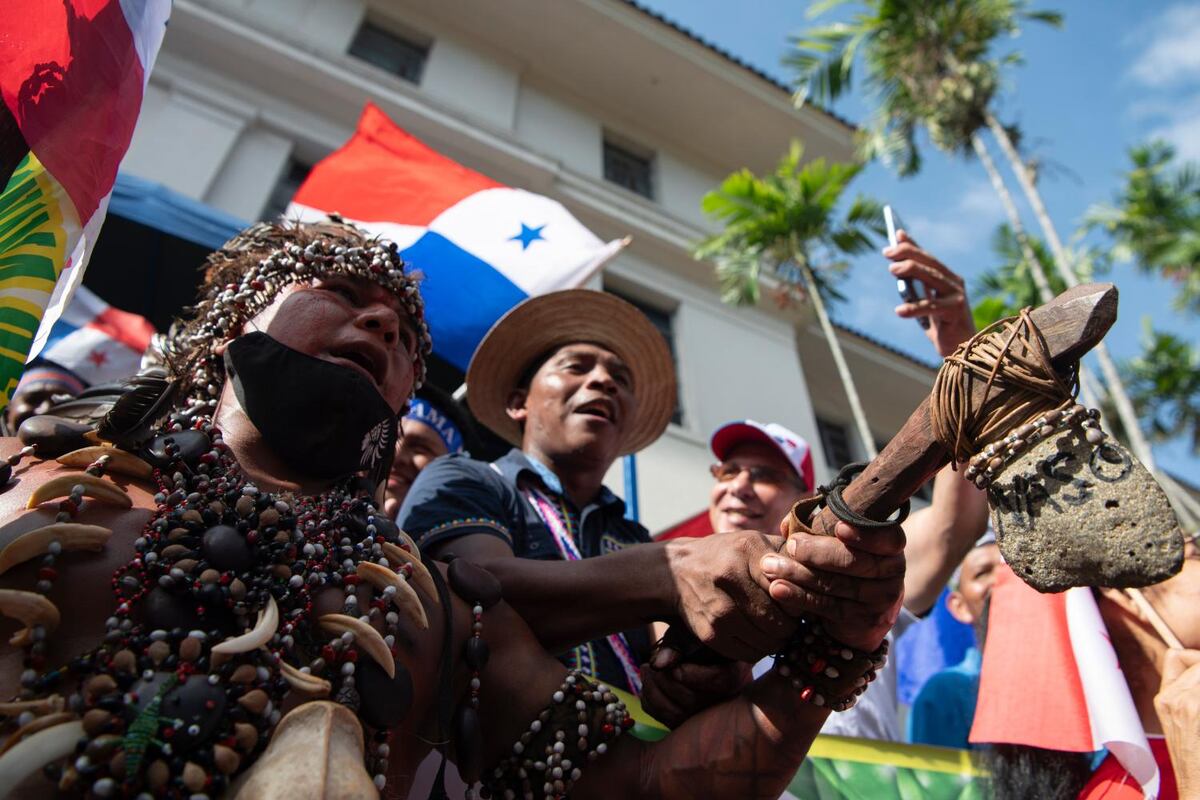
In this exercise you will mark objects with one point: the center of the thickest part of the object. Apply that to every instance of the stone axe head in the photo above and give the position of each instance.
(1067, 511)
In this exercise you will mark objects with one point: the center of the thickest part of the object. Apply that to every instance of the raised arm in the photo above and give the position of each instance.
(940, 536)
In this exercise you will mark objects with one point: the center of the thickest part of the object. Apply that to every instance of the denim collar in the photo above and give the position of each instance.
(515, 462)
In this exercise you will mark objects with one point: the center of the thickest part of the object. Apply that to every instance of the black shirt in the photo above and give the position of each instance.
(457, 496)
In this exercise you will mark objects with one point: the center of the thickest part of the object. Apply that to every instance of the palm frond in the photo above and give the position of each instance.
(823, 60)
(1052, 18)
(821, 6)
(738, 276)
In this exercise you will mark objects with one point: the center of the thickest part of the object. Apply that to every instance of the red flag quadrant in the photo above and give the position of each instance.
(72, 76)
(1051, 679)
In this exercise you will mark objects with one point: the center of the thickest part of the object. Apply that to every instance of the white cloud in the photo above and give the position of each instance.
(981, 199)
(1170, 48)
(1167, 67)
(1182, 129)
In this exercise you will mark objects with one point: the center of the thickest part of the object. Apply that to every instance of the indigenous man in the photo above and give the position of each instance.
(242, 570)
(576, 379)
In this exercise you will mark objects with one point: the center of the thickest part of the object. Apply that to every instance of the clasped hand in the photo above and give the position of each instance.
(740, 592)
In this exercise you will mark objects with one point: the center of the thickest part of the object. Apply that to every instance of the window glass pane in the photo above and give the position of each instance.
(627, 168)
(389, 51)
(285, 188)
(664, 322)
(835, 442)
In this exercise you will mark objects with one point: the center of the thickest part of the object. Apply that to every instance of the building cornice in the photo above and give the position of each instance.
(324, 74)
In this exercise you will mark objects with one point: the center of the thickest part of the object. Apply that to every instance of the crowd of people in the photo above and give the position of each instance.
(278, 544)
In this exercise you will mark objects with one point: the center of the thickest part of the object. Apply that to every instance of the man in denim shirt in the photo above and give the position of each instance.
(575, 380)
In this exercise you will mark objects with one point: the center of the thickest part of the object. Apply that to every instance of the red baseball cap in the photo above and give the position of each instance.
(790, 444)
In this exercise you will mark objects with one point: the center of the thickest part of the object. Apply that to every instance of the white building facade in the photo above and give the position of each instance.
(620, 115)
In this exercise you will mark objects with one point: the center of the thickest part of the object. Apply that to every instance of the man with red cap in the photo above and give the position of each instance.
(763, 469)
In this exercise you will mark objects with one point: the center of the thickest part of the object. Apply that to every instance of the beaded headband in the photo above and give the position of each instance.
(226, 307)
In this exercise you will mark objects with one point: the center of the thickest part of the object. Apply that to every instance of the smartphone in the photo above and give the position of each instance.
(906, 287)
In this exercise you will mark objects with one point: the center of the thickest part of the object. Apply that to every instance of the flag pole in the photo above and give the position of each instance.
(631, 488)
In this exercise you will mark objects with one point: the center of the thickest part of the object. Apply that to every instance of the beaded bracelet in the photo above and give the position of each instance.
(986, 465)
(826, 672)
(576, 728)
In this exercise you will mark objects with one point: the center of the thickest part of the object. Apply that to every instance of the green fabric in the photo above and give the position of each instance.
(838, 768)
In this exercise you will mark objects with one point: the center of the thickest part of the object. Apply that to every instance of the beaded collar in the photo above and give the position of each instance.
(215, 621)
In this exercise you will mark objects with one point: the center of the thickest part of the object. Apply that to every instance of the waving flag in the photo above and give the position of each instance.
(72, 75)
(96, 342)
(1079, 701)
(482, 246)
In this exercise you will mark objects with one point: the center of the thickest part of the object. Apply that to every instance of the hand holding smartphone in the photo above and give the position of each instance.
(907, 288)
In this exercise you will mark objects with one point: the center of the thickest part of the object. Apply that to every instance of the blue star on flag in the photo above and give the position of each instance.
(528, 236)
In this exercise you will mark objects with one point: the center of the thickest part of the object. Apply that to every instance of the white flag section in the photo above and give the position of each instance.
(96, 342)
(532, 240)
(1113, 717)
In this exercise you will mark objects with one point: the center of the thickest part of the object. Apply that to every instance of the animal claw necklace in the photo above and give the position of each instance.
(215, 624)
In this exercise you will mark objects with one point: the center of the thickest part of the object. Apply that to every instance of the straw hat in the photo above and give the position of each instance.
(540, 324)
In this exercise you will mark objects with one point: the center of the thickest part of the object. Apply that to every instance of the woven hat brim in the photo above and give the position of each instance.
(543, 323)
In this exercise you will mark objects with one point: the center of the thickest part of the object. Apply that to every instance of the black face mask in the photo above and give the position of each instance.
(324, 420)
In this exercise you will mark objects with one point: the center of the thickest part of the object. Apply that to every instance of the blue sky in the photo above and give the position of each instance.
(1118, 73)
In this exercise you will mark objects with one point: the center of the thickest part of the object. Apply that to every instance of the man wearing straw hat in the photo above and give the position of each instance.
(574, 380)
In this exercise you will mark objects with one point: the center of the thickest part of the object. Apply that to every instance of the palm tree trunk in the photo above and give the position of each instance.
(835, 348)
(1108, 367)
(1014, 219)
(1186, 507)
(1035, 199)
(1036, 268)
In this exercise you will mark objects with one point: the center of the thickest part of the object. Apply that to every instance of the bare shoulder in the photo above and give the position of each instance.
(81, 574)
(33, 472)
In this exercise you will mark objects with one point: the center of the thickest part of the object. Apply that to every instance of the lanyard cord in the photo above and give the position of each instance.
(558, 520)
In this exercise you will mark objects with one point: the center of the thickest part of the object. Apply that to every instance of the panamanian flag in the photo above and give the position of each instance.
(72, 75)
(96, 342)
(483, 247)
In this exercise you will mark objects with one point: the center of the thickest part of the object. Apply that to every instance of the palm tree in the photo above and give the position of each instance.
(931, 66)
(1156, 220)
(1165, 384)
(908, 48)
(783, 229)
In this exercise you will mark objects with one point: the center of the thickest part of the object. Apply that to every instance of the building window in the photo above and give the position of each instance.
(629, 166)
(401, 55)
(664, 322)
(285, 188)
(835, 442)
